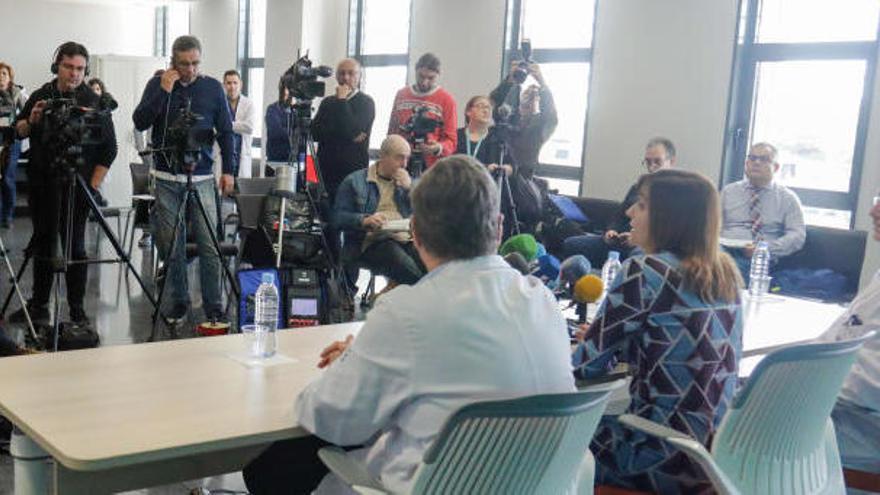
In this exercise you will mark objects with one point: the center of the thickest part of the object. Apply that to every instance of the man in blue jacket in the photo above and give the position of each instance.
(165, 96)
(367, 200)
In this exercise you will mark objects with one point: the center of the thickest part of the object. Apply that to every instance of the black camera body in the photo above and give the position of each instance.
(66, 127)
(521, 71)
(185, 140)
(419, 125)
(301, 79)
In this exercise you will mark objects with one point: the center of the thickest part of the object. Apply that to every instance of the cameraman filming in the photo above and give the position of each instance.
(439, 105)
(165, 101)
(48, 194)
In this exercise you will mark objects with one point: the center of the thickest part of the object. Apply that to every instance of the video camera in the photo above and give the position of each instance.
(67, 126)
(419, 125)
(521, 71)
(301, 79)
(185, 140)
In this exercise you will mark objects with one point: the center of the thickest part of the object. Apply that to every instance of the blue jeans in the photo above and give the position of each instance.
(169, 196)
(7, 185)
(593, 247)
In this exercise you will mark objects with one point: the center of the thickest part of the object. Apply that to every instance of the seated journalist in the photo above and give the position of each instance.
(473, 328)
(366, 201)
(673, 314)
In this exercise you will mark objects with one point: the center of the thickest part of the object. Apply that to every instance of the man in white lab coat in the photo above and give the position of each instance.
(244, 116)
(472, 329)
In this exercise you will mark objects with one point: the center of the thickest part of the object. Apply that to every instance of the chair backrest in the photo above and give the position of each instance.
(256, 185)
(250, 207)
(527, 445)
(140, 178)
(777, 437)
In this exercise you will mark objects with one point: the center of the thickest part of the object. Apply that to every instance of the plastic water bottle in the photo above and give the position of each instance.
(266, 317)
(759, 281)
(609, 271)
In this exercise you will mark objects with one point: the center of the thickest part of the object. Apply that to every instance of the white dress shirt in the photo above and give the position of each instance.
(862, 385)
(243, 125)
(781, 215)
(469, 330)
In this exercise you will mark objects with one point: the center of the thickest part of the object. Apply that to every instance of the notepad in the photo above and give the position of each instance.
(400, 225)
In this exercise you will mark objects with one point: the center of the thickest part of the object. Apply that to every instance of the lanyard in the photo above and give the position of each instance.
(477, 148)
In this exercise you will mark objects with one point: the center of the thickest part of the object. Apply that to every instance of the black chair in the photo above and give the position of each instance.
(842, 251)
(599, 212)
(141, 201)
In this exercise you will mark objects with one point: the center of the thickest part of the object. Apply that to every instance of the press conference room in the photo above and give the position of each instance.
(412, 246)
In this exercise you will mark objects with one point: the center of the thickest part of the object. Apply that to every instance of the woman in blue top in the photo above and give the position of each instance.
(278, 117)
(673, 314)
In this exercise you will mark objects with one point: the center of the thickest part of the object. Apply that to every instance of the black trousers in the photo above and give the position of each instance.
(47, 200)
(399, 261)
(287, 467)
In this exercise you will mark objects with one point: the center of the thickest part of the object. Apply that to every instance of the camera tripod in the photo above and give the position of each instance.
(501, 177)
(190, 194)
(13, 279)
(73, 181)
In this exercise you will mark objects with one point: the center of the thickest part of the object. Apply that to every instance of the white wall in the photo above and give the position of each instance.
(467, 36)
(659, 69)
(215, 24)
(32, 29)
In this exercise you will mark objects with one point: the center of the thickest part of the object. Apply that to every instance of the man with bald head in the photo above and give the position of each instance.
(342, 127)
(366, 201)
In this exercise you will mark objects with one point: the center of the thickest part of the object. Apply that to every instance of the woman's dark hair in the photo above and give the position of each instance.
(93, 81)
(684, 216)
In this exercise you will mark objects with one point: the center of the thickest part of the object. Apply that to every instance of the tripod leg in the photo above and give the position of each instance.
(114, 241)
(13, 279)
(207, 219)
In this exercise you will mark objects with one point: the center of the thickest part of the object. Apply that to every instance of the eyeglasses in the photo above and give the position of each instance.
(759, 158)
(647, 162)
(482, 106)
(194, 63)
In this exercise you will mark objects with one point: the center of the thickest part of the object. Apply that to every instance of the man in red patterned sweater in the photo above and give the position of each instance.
(439, 105)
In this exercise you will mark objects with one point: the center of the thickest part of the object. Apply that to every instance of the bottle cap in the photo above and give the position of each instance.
(269, 278)
(613, 255)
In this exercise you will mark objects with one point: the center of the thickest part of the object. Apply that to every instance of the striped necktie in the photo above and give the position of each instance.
(755, 214)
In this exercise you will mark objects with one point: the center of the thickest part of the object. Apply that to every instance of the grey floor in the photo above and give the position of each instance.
(121, 314)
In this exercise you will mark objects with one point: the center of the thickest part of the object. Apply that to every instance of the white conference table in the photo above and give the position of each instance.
(125, 417)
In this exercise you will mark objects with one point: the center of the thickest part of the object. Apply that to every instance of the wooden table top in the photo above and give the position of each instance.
(123, 405)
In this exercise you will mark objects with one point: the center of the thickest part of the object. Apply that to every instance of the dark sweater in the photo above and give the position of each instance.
(40, 166)
(490, 149)
(528, 134)
(334, 128)
(277, 135)
(208, 100)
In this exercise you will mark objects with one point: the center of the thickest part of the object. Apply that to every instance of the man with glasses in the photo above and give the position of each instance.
(178, 88)
(758, 209)
(659, 154)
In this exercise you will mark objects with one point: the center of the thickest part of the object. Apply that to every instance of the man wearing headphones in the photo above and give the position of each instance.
(48, 191)
(179, 87)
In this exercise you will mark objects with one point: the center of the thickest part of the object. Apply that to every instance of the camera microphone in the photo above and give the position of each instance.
(504, 111)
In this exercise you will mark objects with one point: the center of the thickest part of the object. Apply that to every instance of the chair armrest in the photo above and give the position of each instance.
(686, 444)
(349, 470)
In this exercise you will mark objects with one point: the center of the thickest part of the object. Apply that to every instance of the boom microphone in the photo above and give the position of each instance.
(588, 289)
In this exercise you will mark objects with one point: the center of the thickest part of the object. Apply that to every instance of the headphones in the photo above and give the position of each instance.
(69, 49)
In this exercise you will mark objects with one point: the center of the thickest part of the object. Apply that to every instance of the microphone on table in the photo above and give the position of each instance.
(516, 261)
(524, 244)
(573, 268)
(588, 289)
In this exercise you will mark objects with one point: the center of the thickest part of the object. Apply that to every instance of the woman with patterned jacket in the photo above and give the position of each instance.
(673, 314)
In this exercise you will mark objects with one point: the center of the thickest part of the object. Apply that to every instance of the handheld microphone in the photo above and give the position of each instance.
(573, 268)
(524, 244)
(517, 262)
(548, 268)
(588, 289)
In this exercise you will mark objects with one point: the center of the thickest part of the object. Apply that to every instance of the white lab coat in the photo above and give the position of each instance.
(470, 330)
(245, 119)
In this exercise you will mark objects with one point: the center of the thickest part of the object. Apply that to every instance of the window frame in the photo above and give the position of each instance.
(741, 102)
(354, 47)
(244, 61)
(510, 51)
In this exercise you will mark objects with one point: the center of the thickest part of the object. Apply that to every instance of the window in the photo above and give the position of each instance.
(172, 20)
(251, 59)
(379, 39)
(802, 82)
(562, 45)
